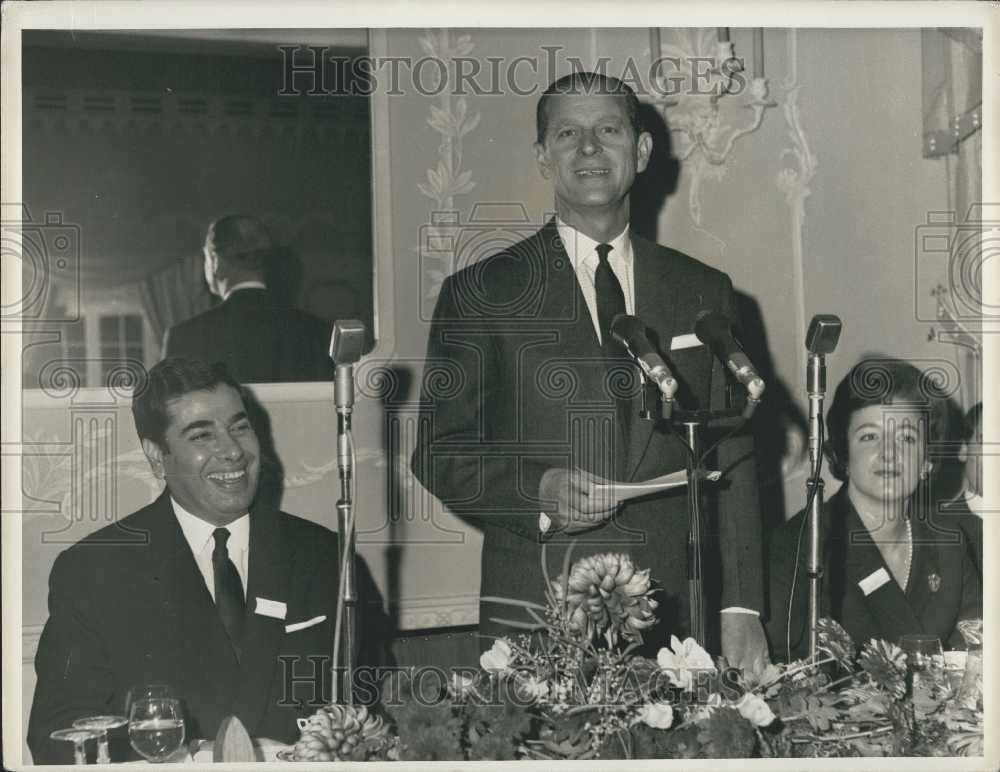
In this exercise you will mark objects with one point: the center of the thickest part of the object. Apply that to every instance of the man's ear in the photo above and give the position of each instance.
(542, 158)
(643, 151)
(154, 454)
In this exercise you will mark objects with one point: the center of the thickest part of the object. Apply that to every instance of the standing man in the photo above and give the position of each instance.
(223, 600)
(546, 403)
(259, 338)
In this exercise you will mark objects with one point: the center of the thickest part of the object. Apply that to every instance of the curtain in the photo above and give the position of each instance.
(174, 294)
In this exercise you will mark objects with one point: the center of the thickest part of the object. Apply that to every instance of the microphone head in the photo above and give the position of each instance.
(711, 327)
(623, 329)
(823, 334)
(347, 343)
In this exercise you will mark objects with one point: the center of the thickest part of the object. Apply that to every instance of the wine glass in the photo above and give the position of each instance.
(156, 728)
(78, 736)
(101, 724)
(145, 692)
(923, 653)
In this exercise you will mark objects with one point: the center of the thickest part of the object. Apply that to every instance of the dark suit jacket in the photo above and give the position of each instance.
(259, 340)
(943, 586)
(128, 606)
(515, 383)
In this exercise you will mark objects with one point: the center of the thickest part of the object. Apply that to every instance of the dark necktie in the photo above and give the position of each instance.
(228, 592)
(610, 300)
(610, 303)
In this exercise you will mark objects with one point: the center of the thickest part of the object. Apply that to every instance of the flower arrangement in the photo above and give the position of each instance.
(571, 685)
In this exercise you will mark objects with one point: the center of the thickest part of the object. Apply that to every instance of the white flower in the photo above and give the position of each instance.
(755, 710)
(714, 701)
(682, 659)
(534, 688)
(497, 659)
(658, 715)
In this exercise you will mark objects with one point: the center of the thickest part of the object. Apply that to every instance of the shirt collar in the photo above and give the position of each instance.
(252, 284)
(199, 532)
(580, 248)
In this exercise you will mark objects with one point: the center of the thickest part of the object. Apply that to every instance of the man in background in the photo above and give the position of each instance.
(260, 339)
(206, 590)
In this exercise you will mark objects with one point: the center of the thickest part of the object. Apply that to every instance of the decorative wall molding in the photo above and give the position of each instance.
(794, 182)
(452, 120)
(439, 611)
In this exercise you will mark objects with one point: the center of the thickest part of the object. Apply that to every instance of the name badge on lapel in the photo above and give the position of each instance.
(873, 581)
(271, 608)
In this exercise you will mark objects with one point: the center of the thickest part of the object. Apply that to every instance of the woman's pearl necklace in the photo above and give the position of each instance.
(909, 553)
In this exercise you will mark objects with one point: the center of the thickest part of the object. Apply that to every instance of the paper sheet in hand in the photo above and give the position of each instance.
(624, 491)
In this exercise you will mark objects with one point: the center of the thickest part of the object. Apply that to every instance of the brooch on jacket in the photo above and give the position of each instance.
(934, 582)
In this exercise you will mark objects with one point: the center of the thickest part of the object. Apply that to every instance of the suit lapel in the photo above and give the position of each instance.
(564, 302)
(887, 604)
(269, 578)
(200, 638)
(656, 305)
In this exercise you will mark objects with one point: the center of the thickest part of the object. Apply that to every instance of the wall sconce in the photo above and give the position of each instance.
(694, 111)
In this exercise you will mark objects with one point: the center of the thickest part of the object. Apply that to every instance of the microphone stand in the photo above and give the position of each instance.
(816, 388)
(344, 400)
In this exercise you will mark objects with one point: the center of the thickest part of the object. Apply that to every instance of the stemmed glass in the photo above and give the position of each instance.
(101, 724)
(145, 692)
(78, 737)
(923, 653)
(156, 727)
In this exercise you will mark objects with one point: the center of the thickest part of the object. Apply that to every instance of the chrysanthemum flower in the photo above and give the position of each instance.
(607, 594)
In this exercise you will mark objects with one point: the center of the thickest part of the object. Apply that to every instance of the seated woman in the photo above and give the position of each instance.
(890, 567)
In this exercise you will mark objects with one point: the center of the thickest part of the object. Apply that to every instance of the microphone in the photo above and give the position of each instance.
(629, 332)
(346, 346)
(716, 331)
(821, 339)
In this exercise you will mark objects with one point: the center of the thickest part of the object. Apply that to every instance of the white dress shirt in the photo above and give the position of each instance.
(199, 537)
(582, 253)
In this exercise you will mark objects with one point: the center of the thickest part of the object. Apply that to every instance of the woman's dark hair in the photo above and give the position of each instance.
(883, 381)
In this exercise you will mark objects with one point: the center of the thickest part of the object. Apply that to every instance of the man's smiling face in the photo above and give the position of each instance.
(591, 153)
(211, 458)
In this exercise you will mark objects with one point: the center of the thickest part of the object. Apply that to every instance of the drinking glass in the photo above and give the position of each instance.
(101, 724)
(145, 692)
(923, 654)
(78, 737)
(156, 728)
(970, 693)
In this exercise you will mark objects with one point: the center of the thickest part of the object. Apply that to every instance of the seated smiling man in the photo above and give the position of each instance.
(219, 598)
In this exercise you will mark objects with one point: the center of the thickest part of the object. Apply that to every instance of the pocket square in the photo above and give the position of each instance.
(270, 608)
(296, 626)
(684, 341)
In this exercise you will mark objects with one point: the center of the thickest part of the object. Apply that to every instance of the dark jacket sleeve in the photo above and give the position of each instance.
(739, 502)
(459, 456)
(74, 673)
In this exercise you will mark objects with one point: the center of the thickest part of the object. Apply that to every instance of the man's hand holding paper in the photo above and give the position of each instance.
(583, 500)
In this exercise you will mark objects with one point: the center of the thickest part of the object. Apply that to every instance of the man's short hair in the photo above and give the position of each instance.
(167, 380)
(882, 381)
(240, 238)
(586, 83)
